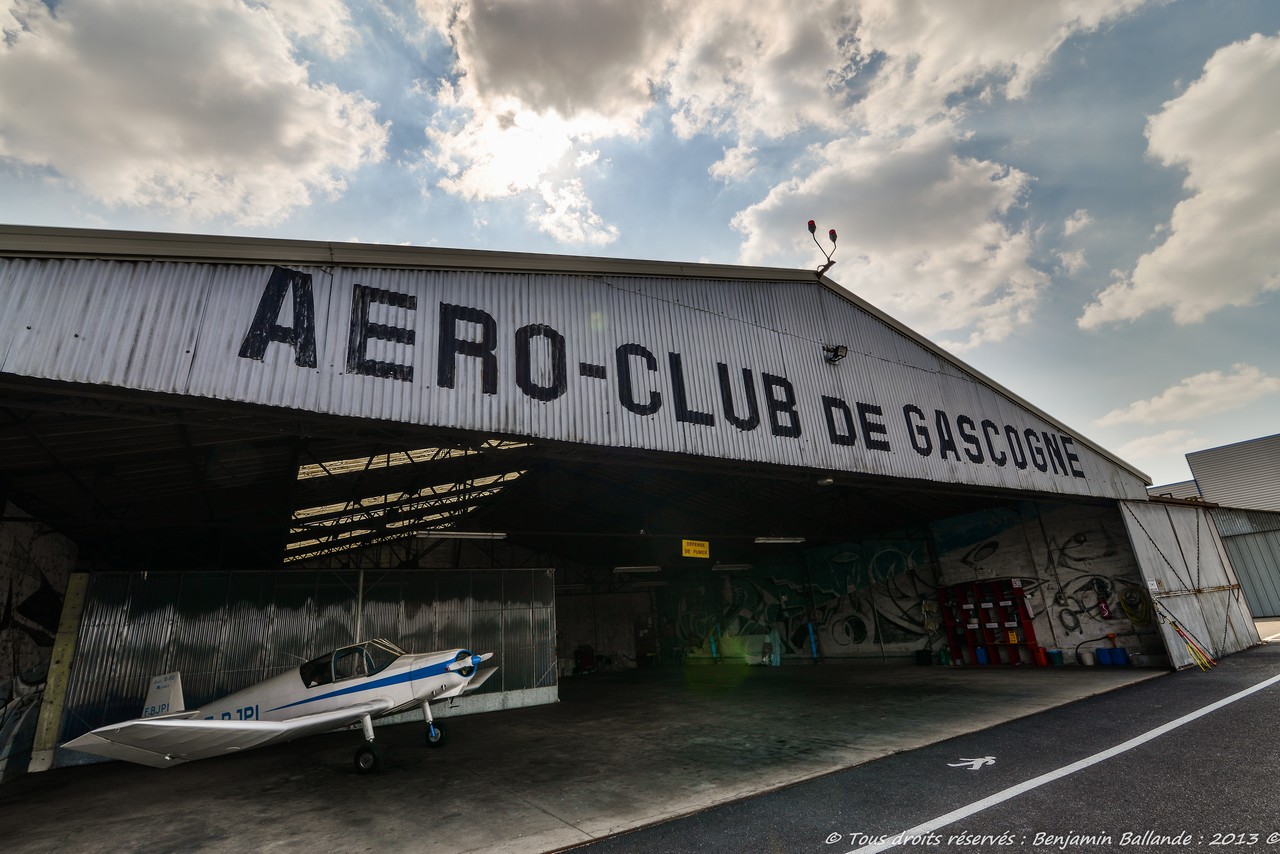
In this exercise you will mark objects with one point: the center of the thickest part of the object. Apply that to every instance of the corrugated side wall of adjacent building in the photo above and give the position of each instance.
(1252, 539)
(228, 630)
(1243, 475)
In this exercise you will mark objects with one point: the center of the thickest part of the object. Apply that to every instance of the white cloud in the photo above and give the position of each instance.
(566, 215)
(1220, 248)
(927, 227)
(1071, 262)
(936, 49)
(1078, 221)
(766, 68)
(736, 164)
(326, 23)
(536, 83)
(1209, 393)
(195, 107)
(920, 232)
(1153, 451)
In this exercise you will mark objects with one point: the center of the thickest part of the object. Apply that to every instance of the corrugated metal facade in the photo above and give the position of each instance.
(1190, 579)
(1252, 539)
(731, 369)
(1244, 475)
(1183, 489)
(227, 630)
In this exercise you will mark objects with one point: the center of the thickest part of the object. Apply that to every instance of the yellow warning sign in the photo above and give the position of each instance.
(696, 548)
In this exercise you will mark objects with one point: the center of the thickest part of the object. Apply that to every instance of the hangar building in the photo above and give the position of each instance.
(222, 455)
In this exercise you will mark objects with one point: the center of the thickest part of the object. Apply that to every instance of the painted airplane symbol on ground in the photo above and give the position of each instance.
(973, 764)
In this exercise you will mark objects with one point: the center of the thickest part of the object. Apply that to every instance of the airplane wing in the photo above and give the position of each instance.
(162, 742)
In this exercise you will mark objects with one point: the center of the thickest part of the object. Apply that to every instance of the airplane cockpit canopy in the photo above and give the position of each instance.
(349, 662)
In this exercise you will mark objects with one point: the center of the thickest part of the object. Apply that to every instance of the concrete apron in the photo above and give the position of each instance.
(619, 751)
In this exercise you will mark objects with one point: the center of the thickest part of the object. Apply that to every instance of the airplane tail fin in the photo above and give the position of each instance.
(164, 696)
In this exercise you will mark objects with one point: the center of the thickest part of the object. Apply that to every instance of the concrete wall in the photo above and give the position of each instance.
(605, 622)
(877, 600)
(34, 565)
(1075, 563)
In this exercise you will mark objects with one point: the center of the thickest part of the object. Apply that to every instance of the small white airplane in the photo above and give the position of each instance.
(353, 684)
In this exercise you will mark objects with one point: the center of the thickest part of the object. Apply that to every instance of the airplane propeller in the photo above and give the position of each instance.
(465, 664)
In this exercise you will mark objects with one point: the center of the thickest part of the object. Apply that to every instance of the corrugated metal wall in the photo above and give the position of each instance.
(227, 630)
(731, 369)
(1190, 578)
(1252, 539)
(1242, 475)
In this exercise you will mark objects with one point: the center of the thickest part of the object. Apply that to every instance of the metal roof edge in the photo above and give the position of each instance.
(900, 327)
(53, 242)
(30, 241)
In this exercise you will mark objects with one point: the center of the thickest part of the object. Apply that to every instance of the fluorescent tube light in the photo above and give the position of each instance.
(779, 539)
(637, 569)
(463, 535)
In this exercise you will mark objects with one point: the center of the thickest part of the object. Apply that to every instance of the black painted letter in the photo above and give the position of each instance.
(780, 406)
(870, 428)
(264, 329)
(752, 421)
(452, 346)
(842, 433)
(524, 362)
(362, 330)
(918, 432)
(680, 396)
(626, 388)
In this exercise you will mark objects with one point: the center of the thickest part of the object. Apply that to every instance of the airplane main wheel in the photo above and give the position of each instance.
(435, 736)
(368, 759)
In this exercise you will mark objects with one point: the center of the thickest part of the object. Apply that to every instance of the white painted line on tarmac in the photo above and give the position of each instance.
(894, 840)
(1273, 637)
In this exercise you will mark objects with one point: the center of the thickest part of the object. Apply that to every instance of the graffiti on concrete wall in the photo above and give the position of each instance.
(1074, 562)
(854, 600)
(34, 566)
(880, 598)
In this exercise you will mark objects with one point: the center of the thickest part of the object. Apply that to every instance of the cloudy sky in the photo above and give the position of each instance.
(1079, 198)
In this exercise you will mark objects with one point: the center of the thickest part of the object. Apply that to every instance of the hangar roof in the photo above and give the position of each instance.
(148, 476)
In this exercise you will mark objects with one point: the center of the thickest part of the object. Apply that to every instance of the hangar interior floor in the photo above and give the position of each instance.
(619, 751)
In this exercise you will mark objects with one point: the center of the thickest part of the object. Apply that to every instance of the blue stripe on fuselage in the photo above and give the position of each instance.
(421, 673)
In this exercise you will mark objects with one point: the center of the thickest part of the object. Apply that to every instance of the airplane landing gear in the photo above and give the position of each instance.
(435, 735)
(368, 758)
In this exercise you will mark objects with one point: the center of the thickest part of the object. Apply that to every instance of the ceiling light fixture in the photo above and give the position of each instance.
(779, 539)
(620, 569)
(731, 567)
(463, 535)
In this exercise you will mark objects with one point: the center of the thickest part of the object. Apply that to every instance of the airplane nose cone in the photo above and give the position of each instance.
(465, 664)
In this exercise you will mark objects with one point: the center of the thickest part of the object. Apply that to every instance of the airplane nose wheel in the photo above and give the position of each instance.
(435, 736)
(368, 758)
